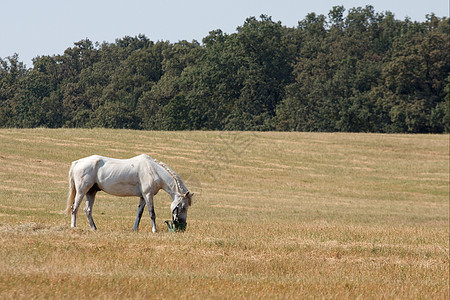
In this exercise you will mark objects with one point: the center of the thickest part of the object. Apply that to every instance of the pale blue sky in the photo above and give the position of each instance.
(46, 27)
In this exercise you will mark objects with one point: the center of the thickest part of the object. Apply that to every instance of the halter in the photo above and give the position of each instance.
(188, 196)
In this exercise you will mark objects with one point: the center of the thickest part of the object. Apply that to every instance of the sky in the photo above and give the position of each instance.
(33, 28)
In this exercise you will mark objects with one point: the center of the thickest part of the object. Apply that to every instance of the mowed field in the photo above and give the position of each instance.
(275, 215)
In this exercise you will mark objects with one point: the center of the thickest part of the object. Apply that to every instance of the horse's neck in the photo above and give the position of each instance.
(168, 183)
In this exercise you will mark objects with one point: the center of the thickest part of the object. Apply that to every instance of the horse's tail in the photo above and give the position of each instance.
(72, 191)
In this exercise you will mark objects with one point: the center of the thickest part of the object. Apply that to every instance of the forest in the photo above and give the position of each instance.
(354, 70)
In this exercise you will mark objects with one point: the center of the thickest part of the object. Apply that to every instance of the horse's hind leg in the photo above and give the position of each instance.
(90, 198)
(140, 210)
(76, 204)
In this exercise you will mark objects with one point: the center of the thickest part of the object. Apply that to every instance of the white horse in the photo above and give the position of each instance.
(139, 176)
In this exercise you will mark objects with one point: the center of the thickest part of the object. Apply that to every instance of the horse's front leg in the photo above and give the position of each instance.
(140, 210)
(149, 201)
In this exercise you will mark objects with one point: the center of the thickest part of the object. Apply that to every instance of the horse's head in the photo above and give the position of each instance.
(180, 207)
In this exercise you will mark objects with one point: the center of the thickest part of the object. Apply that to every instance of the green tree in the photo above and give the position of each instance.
(12, 74)
(355, 70)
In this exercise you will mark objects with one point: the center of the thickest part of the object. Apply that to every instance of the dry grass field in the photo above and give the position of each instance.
(276, 215)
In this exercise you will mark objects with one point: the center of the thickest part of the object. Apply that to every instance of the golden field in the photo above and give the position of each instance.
(275, 215)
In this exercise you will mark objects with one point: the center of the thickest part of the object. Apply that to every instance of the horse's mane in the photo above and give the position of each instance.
(182, 189)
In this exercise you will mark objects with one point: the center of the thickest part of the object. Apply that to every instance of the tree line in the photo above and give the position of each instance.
(353, 71)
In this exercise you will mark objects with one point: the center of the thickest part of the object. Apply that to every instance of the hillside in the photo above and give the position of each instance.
(275, 215)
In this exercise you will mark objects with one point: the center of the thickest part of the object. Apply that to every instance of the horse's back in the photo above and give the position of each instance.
(96, 161)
